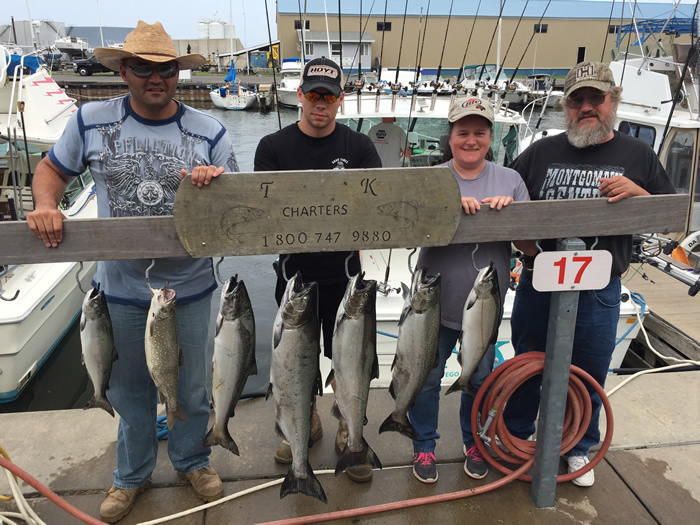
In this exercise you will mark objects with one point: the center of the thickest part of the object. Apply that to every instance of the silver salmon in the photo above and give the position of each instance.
(163, 355)
(98, 351)
(234, 359)
(480, 321)
(295, 379)
(416, 348)
(354, 366)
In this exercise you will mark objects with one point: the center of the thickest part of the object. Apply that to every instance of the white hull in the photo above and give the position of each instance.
(240, 101)
(287, 98)
(389, 310)
(48, 302)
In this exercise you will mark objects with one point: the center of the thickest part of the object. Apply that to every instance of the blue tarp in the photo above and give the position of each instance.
(32, 62)
(231, 77)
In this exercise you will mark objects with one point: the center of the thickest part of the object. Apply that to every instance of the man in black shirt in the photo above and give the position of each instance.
(318, 142)
(590, 160)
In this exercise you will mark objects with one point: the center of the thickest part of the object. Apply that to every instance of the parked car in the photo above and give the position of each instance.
(87, 66)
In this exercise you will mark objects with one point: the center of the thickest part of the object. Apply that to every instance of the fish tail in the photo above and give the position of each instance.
(100, 403)
(464, 387)
(309, 485)
(397, 423)
(171, 415)
(348, 459)
(225, 441)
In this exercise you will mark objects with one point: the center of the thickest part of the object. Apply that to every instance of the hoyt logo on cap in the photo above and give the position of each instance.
(322, 73)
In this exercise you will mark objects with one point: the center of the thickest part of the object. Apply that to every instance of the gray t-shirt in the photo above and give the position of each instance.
(390, 141)
(136, 165)
(454, 262)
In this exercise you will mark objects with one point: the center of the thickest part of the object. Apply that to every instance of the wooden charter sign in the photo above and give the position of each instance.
(291, 212)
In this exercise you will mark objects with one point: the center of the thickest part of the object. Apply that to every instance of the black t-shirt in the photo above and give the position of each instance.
(291, 150)
(554, 169)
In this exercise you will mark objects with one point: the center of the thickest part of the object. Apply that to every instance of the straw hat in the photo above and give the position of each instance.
(148, 42)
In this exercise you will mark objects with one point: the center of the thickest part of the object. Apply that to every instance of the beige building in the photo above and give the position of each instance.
(557, 45)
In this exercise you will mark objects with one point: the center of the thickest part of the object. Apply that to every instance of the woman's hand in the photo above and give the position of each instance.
(497, 202)
(470, 205)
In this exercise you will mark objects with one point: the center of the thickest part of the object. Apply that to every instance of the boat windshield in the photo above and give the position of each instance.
(75, 189)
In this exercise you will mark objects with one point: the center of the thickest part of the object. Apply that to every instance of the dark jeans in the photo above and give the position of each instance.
(594, 342)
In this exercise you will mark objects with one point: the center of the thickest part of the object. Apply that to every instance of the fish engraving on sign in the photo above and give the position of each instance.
(405, 214)
(235, 219)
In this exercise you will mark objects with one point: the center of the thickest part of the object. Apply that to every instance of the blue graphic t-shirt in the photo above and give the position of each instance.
(136, 165)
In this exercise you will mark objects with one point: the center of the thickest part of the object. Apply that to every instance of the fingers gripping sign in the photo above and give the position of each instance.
(619, 187)
(47, 225)
(202, 175)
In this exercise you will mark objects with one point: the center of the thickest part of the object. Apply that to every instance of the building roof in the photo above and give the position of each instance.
(513, 8)
(334, 36)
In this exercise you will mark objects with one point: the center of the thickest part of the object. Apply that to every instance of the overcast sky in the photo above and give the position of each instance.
(179, 17)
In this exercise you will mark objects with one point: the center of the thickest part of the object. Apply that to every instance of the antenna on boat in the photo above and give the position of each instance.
(495, 29)
(3, 271)
(464, 58)
(272, 56)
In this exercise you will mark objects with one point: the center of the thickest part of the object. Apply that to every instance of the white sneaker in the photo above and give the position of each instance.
(577, 463)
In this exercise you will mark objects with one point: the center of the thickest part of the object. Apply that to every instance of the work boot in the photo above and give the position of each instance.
(341, 437)
(206, 483)
(283, 454)
(119, 502)
(358, 473)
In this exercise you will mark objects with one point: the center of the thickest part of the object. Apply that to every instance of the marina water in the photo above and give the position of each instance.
(62, 383)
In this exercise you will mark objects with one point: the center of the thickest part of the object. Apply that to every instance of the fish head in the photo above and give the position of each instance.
(425, 290)
(234, 299)
(163, 302)
(360, 296)
(94, 304)
(299, 303)
(486, 282)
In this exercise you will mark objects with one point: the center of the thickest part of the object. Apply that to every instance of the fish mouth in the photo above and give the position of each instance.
(231, 285)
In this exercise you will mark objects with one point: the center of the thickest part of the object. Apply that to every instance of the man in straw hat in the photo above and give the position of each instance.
(590, 160)
(138, 147)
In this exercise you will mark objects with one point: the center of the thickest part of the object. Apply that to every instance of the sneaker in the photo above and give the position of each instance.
(424, 467)
(577, 463)
(206, 483)
(119, 502)
(475, 466)
(283, 454)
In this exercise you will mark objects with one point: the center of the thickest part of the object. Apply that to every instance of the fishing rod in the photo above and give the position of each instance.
(340, 37)
(362, 33)
(398, 60)
(605, 42)
(359, 55)
(676, 95)
(272, 55)
(539, 23)
(444, 43)
(302, 24)
(495, 29)
(381, 52)
(500, 66)
(464, 58)
(419, 57)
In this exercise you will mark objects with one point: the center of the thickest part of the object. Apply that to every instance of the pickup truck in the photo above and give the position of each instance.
(87, 66)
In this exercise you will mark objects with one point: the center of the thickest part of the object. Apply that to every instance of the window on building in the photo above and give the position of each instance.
(297, 24)
(364, 50)
(309, 48)
(335, 48)
(541, 28)
(383, 26)
(613, 30)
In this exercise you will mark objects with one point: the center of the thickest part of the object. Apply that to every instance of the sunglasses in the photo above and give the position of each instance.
(146, 70)
(314, 96)
(593, 100)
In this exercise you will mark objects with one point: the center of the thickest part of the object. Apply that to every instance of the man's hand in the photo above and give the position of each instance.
(497, 202)
(201, 175)
(47, 224)
(620, 187)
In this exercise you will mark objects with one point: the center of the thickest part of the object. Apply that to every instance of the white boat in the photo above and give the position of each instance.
(288, 84)
(74, 46)
(483, 77)
(233, 97)
(49, 299)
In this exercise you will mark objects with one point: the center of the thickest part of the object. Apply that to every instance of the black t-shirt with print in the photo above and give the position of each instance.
(554, 169)
(291, 150)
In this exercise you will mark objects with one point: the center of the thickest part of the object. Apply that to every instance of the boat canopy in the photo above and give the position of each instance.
(651, 26)
(32, 62)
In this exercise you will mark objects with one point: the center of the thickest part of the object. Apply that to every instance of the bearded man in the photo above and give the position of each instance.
(590, 160)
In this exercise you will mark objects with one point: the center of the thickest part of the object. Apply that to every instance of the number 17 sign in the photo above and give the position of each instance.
(577, 270)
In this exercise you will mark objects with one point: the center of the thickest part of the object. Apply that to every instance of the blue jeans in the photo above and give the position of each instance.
(134, 396)
(594, 342)
(424, 413)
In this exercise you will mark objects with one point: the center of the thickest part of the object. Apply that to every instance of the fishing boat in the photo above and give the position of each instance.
(287, 88)
(232, 95)
(73, 46)
(542, 90)
(491, 80)
(46, 296)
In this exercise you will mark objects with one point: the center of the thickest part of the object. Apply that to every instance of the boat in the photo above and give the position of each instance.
(542, 90)
(47, 298)
(232, 95)
(288, 84)
(73, 46)
(483, 77)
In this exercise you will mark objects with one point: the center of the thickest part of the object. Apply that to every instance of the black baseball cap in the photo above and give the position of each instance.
(322, 73)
